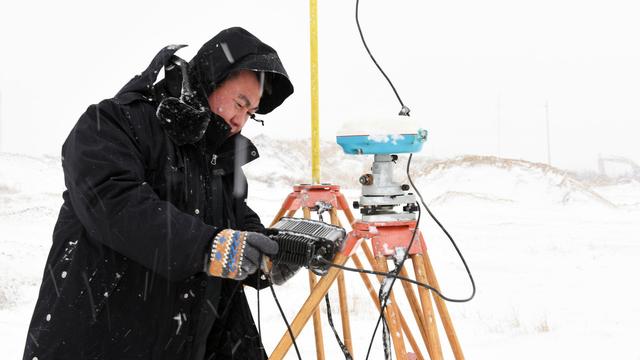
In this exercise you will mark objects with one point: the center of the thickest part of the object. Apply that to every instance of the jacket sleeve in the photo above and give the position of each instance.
(104, 171)
(251, 221)
(247, 219)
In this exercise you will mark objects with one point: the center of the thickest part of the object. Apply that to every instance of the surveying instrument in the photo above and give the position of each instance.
(384, 232)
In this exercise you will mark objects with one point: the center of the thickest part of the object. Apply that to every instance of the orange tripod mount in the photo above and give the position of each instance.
(318, 198)
(387, 239)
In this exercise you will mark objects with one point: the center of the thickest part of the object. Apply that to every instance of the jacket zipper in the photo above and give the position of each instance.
(207, 185)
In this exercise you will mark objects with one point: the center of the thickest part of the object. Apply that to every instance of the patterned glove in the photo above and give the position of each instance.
(238, 254)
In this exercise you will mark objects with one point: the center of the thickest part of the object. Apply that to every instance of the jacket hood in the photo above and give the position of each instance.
(232, 49)
(237, 49)
(143, 84)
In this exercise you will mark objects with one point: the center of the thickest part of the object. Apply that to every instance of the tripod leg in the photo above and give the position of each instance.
(433, 343)
(286, 205)
(308, 308)
(415, 305)
(372, 262)
(342, 291)
(442, 309)
(344, 314)
(345, 208)
(391, 314)
(278, 216)
(374, 296)
(317, 324)
(290, 213)
(280, 213)
(369, 255)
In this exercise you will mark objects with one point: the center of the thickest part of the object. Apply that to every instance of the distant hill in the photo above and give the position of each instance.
(283, 163)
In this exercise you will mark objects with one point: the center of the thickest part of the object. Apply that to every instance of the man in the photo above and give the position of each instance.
(155, 239)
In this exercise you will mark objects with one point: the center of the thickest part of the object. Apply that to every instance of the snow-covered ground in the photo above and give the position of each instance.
(553, 257)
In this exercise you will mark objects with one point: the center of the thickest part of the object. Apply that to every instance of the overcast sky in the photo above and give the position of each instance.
(477, 74)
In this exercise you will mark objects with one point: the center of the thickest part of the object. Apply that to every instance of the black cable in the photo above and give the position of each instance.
(402, 278)
(455, 246)
(386, 339)
(384, 297)
(343, 347)
(258, 305)
(405, 110)
(293, 338)
(394, 275)
(415, 282)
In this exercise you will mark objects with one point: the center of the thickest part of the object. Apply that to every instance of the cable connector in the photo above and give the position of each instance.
(404, 111)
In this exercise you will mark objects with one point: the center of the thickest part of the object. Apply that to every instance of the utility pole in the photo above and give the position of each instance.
(498, 115)
(0, 121)
(546, 112)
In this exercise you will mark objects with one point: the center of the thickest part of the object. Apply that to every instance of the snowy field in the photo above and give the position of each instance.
(553, 257)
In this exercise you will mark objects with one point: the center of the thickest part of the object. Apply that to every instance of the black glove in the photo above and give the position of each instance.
(237, 254)
(185, 119)
(281, 272)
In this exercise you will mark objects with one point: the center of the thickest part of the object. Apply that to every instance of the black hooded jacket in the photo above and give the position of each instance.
(125, 275)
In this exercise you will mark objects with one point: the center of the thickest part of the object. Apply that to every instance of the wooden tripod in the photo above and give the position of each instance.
(386, 238)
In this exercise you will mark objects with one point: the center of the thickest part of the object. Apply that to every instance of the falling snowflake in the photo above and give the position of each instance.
(180, 317)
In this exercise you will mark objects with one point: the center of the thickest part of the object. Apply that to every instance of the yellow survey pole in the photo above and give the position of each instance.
(315, 118)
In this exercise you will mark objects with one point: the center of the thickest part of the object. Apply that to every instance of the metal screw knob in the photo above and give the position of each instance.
(366, 179)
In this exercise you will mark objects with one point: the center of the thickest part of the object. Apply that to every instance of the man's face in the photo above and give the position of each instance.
(236, 99)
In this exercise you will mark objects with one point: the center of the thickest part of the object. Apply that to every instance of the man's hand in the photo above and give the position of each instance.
(238, 254)
(281, 272)
(257, 244)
